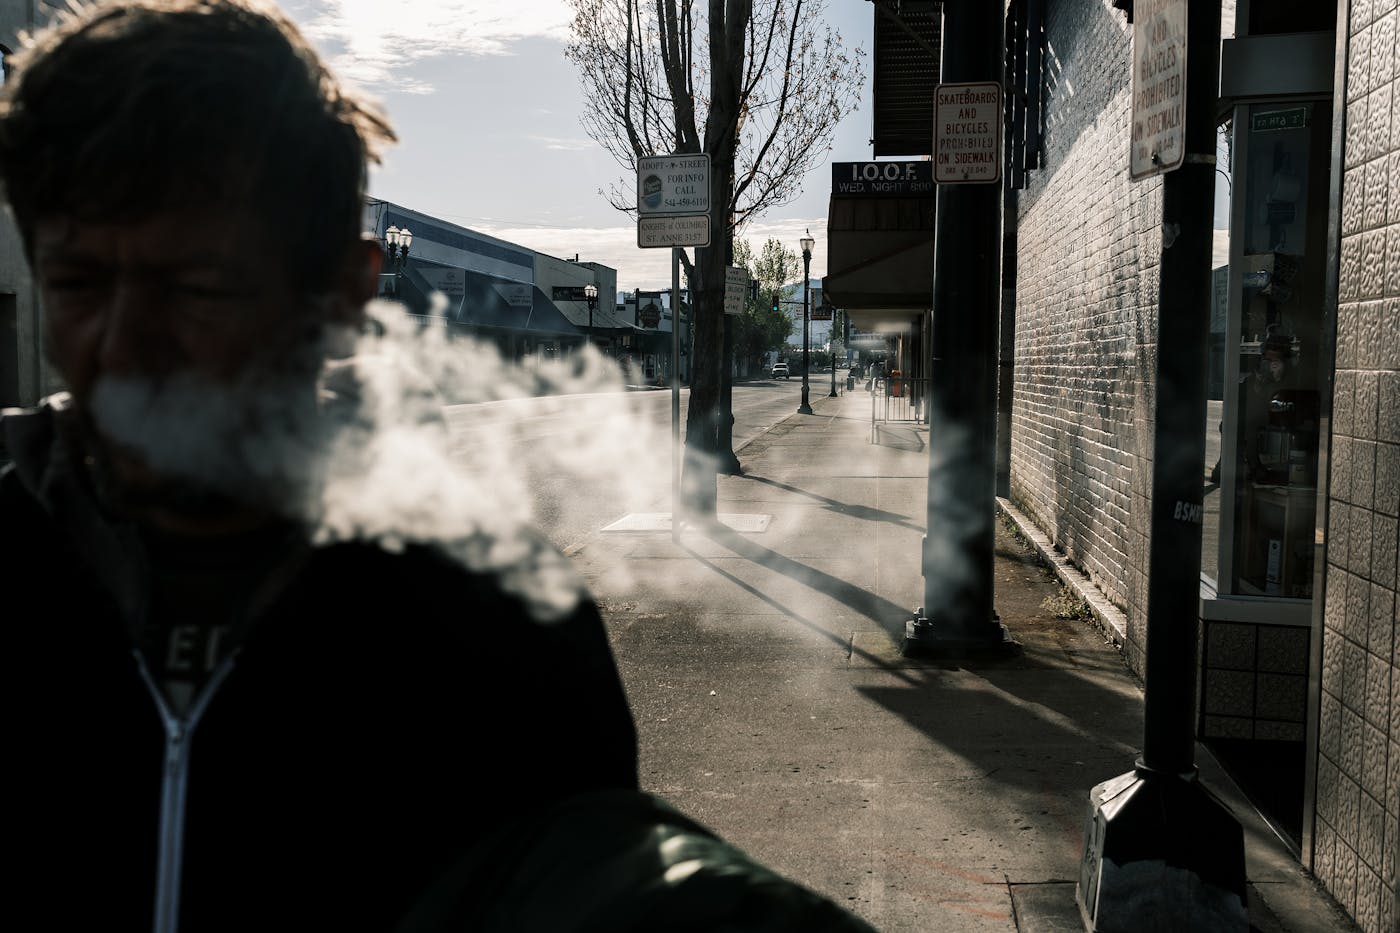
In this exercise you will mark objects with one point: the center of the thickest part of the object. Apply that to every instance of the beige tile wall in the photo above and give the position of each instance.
(1358, 804)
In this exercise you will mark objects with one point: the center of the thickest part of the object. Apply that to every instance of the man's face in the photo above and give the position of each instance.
(170, 332)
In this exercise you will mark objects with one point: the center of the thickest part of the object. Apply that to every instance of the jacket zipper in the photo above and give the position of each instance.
(173, 789)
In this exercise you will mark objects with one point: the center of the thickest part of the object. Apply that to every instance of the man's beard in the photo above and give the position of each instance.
(203, 450)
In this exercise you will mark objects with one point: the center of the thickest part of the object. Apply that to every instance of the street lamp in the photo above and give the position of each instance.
(397, 241)
(831, 350)
(590, 292)
(807, 243)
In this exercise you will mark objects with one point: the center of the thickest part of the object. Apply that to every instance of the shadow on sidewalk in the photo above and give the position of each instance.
(898, 436)
(862, 512)
(887, 615)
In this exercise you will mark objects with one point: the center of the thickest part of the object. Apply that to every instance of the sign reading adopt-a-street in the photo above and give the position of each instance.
(967, 133)
(1159, 88)
(673, 200)
(673, 184)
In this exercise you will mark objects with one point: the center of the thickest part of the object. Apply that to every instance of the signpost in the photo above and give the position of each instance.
(673, 210)
(967, 134)
(1159, 88)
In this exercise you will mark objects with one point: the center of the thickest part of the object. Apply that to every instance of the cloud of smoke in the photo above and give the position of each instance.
(416, 437)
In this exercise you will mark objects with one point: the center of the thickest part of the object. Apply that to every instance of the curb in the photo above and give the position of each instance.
(1108, 618)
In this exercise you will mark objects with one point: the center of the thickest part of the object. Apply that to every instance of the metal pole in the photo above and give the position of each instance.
(957, 615)
(805, 408)
(831, 351)
(1158, 844)
(675, 395)
(1183, 324)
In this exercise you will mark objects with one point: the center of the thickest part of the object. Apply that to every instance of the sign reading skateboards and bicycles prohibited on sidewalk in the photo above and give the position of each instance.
(967, 134)
(1159, 88)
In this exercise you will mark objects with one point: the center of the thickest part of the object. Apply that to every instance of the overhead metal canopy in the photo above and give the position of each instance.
(906, 64)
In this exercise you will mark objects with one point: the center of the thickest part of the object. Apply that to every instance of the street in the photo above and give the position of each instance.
(586, 460)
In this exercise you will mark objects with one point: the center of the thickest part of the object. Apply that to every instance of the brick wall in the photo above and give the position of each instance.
(1358, 776)
(1088, 248)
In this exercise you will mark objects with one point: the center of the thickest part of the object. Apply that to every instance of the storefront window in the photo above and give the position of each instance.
(1272, 407)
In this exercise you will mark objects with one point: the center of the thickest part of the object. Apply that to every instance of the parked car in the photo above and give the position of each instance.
(780, 369)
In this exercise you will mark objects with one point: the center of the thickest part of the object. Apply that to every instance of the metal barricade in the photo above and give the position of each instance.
(897, 398)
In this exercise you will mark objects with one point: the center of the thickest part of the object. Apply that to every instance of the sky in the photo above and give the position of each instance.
(488, 110)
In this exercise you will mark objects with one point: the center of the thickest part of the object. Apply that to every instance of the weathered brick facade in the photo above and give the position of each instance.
(1358, 768)
(1085, 343)
(1089, 245)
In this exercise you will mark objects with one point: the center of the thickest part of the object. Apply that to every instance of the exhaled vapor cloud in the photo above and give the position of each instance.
(375, 459)
(372, 42)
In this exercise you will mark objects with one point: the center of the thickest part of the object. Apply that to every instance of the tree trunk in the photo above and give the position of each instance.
(698, 476)
(699, 490)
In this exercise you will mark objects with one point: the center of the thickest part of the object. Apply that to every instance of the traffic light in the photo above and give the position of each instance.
(775, 303)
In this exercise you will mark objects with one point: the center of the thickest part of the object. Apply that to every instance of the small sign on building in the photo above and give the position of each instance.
(736, 283)
(967, 134)
(1159, 88)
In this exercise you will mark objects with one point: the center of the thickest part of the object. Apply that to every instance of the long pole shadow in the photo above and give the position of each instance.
(797, 617)
(889, 616)
(845, 508)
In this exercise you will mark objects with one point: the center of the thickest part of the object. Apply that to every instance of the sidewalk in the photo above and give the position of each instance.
(772, 702)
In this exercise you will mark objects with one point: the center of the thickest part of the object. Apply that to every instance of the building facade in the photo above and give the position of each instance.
(1300, 657)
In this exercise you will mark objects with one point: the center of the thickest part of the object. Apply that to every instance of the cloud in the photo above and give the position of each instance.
(563, 145)
(616, 246)
(373, 43)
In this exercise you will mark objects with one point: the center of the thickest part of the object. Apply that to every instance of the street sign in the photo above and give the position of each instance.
(967, 134)
(1159, 88)
(673, 184)
(670, 231)
(736, 283)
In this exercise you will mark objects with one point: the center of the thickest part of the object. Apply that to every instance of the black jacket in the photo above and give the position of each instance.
(385, 713)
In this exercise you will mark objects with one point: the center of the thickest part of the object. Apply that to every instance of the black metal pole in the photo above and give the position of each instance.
(957, 614)
(831, 351)
(1183, 324)
(728, 463)
(1158, 844)
(805, 408)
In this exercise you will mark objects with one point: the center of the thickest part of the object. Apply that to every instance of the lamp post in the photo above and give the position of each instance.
(807, 243)
(590, 292)
(831, 351)
(397, 241)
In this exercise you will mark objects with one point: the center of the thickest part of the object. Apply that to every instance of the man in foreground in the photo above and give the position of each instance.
(219, 719)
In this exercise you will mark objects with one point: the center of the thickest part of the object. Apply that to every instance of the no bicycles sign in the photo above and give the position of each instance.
(967, 134)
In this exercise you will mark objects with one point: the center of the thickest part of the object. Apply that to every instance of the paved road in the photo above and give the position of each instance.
(587, 460)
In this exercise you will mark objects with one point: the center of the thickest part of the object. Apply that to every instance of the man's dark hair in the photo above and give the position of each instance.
(126, 108)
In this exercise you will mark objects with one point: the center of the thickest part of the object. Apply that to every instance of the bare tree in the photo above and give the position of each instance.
(760, 86)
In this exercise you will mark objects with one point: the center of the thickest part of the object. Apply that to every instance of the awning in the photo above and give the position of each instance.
(880, 257)
(905, 62)
(476, 299)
